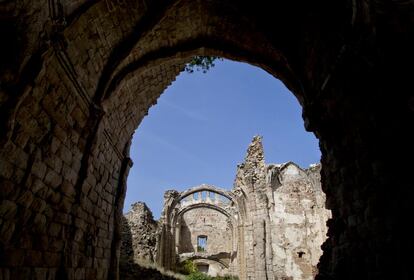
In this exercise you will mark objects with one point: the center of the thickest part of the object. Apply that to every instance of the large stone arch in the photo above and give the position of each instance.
(66, 81)
(181, 225)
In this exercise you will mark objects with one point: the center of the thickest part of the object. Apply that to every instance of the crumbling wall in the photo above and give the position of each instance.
(139, 234)
(284, 224)
(298, 220)
(272, 226)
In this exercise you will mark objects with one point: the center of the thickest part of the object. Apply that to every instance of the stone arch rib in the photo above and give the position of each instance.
(121, 51)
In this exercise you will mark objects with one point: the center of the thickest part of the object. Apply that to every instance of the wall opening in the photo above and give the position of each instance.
(202, 243)
(198, 134)
(199, 130)
(203, 268)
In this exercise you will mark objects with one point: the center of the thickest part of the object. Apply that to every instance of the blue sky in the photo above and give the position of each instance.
(202, 125)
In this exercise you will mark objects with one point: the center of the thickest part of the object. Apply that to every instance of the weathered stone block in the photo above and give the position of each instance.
(61, 134)
(68, 189)
(62, 218)
(39, 224)
(40, 273)
(39, 169)
(37, 187)
(56, 245)
(69, 174)
(52, 178)
(20, 273)
(15, 258)
(51, 259)
(6, 231)
(65, 154)
(26, 199)
(66, 204)
(33, 258)
(54, 229)
(54, 197)
(38, 204)
(8, 209)
(6, 187)
(6, 169)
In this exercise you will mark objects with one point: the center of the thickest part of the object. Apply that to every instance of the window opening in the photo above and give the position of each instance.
(201, 243)
(203, 268)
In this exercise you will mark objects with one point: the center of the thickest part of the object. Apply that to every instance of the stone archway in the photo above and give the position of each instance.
(80, 76)
(205, 212)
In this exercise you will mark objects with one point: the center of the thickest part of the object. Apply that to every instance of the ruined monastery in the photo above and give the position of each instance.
(78, 77)
(271, 225)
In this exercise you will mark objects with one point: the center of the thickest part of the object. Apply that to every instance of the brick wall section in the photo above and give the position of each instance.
(345, 61)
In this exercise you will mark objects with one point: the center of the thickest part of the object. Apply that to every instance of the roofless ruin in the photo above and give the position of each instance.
(271, 225)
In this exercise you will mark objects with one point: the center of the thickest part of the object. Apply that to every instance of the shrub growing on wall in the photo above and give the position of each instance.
(201, 276)
(203, 63)
(187, 267)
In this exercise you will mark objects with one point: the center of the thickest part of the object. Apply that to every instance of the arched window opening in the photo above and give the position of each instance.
(203, 196)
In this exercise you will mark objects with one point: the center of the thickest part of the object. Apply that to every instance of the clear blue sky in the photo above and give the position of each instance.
(202, 125)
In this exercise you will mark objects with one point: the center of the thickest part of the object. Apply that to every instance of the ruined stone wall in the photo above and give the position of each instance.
(272, 225)
(139, 235)
(203, 211)
(284, 221)
(298, 216)
(205, 222)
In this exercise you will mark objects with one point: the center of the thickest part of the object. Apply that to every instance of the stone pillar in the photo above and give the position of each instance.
(119, 205)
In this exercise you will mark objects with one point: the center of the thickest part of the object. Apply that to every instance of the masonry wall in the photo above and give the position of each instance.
(139, 235)
(272, 226)
(205, 222)
(298, 220)
(284, 220)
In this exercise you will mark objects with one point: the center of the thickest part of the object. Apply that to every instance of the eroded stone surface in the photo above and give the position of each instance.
(139, 232)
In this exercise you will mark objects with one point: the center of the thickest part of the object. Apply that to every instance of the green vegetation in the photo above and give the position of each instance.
(131, 270)
(200, 249)
(187, 267)
(202, 276)
(198, 276)
(203, 63)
